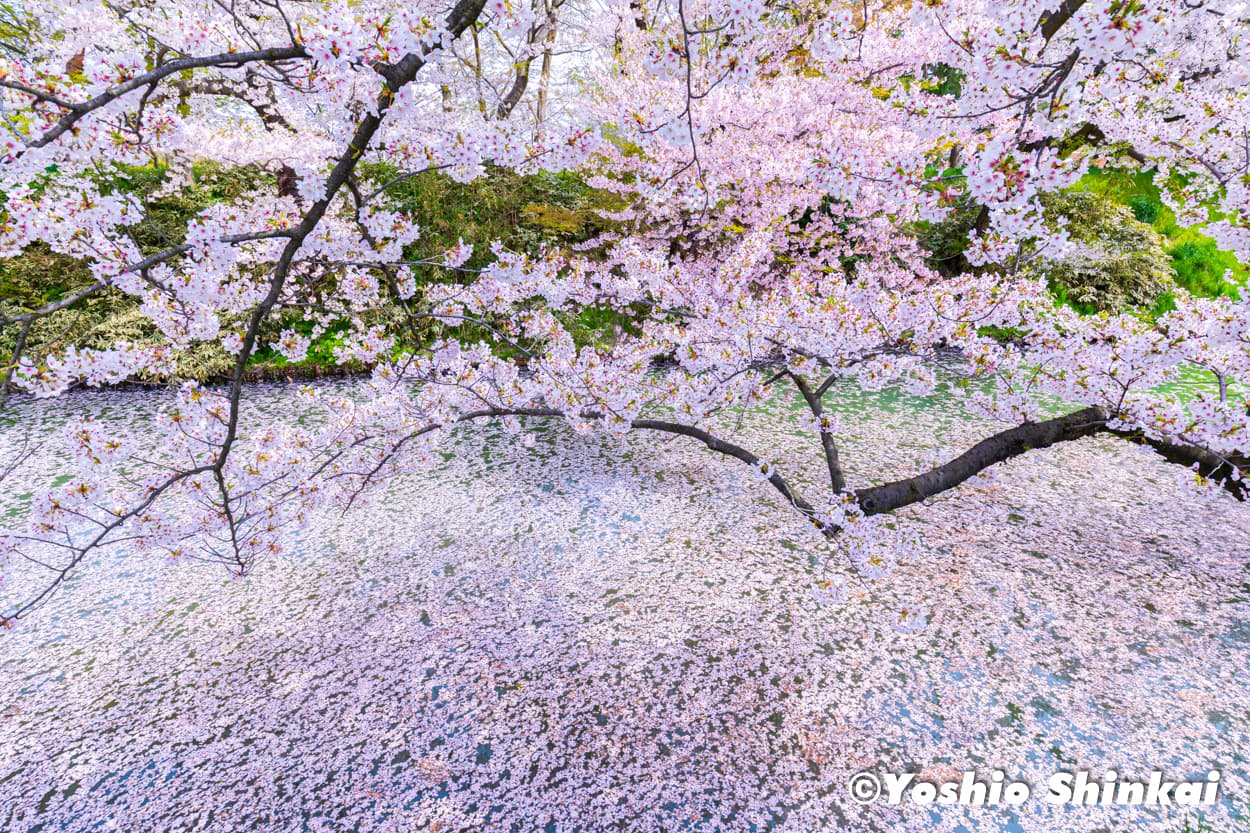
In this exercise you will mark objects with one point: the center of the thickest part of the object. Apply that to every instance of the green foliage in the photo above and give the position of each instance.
(947, 240)
(943, 80)
(613, 134)
(1193, 260)
(1133, 248)
(1003, 335)
(523, 212)
(1121, 262)
(169, 210)
(601, 326)
(1203, 268)
(1144, 209)
(18, 30)
(40, 276)
(1198, 264)
(320, 349)
(554, 219)
(101, 321)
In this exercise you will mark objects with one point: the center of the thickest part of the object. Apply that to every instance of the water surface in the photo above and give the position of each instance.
(591, 634)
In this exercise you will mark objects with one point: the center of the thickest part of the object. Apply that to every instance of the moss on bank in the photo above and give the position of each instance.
(1133, 252)
(524, 213)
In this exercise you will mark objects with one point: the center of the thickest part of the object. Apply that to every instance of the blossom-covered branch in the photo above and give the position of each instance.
(761, 170)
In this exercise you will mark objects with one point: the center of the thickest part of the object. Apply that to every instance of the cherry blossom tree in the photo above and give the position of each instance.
(769, 159)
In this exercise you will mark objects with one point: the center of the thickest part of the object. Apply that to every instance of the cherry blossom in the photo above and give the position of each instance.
(769, 161)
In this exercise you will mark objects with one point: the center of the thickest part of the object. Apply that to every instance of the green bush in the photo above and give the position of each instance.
(39, 276)
(1198, 264)
(947, 240)
(1203, 268)
(1144, 209)
(524, 212)
(1193, 261)
(1120, 261)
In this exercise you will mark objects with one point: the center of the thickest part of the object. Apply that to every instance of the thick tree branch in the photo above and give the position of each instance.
(1016, 441)
(519, 84)
(996, 449)
(18, 347)
(730, 450)
(1210, 465)
(1051, 23)
(708, 439)
(999, 448)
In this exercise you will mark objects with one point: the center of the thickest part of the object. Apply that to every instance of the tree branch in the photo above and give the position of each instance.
(397, 75)
(814, 403)
(1210, 465)
(137, 266)
(228, 59)
(1051, 23)
(729, 449)
(1015, 441)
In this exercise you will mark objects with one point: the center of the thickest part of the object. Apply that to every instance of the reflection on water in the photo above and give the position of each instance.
(596, 635)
